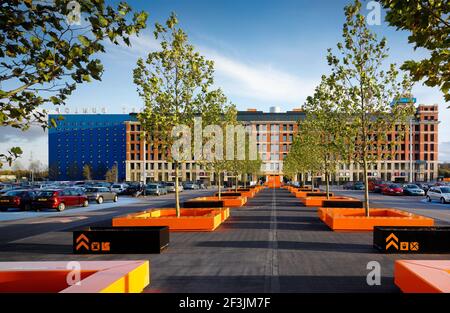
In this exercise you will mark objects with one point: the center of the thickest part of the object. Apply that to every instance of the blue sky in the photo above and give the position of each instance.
(267, 52)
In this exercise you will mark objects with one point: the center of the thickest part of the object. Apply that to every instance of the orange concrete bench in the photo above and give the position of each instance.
(94, 277)
(418, 276)
(190, 219)
(355, 219)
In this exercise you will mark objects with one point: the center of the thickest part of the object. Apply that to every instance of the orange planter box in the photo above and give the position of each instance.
(422, 276)
(228, 202)
(190, 219)
(303, 194)
(95, 277)
(355, 219)
(318, 201)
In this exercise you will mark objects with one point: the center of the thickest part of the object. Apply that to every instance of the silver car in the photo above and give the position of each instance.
(441, 194)
(101, 194)
(171, 187)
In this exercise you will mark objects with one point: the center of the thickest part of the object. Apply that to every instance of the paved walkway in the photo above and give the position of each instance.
(272, 245)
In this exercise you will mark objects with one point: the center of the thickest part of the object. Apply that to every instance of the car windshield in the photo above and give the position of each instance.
(152, 186)
(45, 193)
(394, 186)
(14, 193)
(445, 190)
(115, 186)
(170, 184)
(412, 186)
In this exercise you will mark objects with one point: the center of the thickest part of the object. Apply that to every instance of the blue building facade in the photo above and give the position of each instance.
(98, 140)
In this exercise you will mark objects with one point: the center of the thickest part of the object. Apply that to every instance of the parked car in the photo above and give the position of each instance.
(348, 185)
(5, 188)
(118, 188)
(413, 190)
(358, 186)
(190, 186)
(101, 194)
(133, 190)
(155, 189)
(102, 184)
(171, 187)
(19, 199)
(425, 187)
(393, 190)
(377, 185)
(60, 199)
(442, 194)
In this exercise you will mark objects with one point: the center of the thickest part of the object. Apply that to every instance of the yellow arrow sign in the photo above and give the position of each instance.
(392, 243)
(82, 237)
(82, 244)
(391, 236)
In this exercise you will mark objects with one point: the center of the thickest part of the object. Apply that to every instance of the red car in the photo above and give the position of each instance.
(18, 199)
(60, 199)
(393, 190)
(377, 185)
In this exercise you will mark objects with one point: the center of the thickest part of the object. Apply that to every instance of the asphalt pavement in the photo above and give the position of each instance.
(274, 244)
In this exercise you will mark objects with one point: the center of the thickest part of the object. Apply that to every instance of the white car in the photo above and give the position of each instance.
(118, 188)
(171, 187)
(441, 194)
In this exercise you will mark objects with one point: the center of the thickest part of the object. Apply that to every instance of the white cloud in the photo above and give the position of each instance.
(259, 82)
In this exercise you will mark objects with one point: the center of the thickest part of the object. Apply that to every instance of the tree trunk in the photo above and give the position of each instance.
(236, 182)
(218, 186)
(303, 179)
(327, 183)
(366, 189)
(177, 192)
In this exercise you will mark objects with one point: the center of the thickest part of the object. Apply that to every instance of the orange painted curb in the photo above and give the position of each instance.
(190, 219)
(355, 219)
(95, 277)
(419, 276)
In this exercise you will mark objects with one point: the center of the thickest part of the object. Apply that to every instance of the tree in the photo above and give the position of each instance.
(48, 47)
(111, 174)
(429, 24)
(217, 163)
(368, 108)
(87, 172)
(302, 156)
(173, 84)
(324, 125)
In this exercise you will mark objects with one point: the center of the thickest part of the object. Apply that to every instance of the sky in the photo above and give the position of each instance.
(266, 53)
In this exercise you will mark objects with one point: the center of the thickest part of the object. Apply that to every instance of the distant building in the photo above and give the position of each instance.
(102, 139)
(94, 139)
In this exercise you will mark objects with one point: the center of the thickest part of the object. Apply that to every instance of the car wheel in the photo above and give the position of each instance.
(428, 198)
(100, 200)
(61, 207)
(27, 207)
(443, 201)
(116, 198)
(85, 203)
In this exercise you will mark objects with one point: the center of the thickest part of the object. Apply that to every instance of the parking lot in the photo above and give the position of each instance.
(413, 204)
(274, 244)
